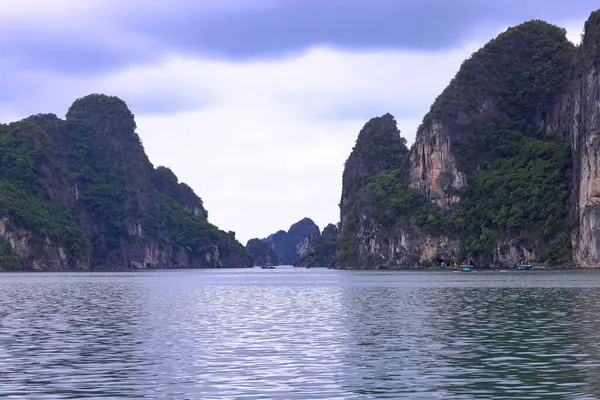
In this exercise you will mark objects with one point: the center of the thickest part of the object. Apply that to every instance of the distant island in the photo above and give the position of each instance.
(81, 193)
(301, 245)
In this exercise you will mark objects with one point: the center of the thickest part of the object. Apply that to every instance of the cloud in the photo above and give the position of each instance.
(102, 36)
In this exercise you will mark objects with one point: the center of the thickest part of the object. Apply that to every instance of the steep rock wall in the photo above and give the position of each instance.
(576, 114)
(321, 251)
(402, 247)
(295, 243)
(433, 170)
(480, 157)
(81, 193)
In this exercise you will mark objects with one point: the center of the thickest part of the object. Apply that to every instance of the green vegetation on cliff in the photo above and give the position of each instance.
(180, 219)
(288, 245)
(501, 92)
(261, 252)
(394, 205)
(85, 187)
(518, 177)
(524, 198)
(9, 260)
(588, 53)
(379, 147)
(26, 167)
(322, 251)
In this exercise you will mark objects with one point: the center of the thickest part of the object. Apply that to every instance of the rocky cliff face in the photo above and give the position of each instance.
(391, 225)
(576, 115)
(496, 93)
(81, 193)
(262, 253)
(372, 232)
(379, 147)
(322, 250)
(303, 233)
(487, 179)
(293, 244)
(403, 248)
(433, 169)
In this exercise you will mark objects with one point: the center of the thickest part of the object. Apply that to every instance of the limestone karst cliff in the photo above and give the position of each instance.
(504, 164)
(261, 253)
(576, 115)
(81, 193)
(291, 245)
(322, 251)
(379, 147)
(385, 222)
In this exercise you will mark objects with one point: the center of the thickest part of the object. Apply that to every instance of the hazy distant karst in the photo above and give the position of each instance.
(303, 245)
(261, 253)
(503, 169)
(291, 245)
(81, 193)
(322, 250)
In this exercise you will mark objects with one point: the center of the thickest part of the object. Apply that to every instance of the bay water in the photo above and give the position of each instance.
(296, 333)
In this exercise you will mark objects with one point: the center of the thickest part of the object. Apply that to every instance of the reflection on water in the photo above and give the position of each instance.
(300, 334)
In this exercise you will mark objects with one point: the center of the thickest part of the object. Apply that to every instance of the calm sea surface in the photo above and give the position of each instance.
(300, 334)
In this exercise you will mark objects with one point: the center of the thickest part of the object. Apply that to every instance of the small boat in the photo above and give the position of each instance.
(268, 266)
(464, 268)
(523, 267)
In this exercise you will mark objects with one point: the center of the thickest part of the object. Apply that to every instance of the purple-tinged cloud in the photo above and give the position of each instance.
(134, 32)
(39, 50)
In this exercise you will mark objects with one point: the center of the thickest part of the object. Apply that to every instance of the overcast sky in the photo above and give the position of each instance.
(255, 104)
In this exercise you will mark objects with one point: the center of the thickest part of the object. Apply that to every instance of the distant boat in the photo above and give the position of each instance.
(463, 268)
(523, 267)
(268, 266)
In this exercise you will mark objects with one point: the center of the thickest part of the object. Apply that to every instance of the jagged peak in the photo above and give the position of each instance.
(305, 221)
(378, 141)
(382, 127)
(517, 72)
(167, 182)
(330, 230)
(330, 226)
(591, 30)
(99, 99)
(304, 227)
(587, 56)
(95, 108)
(531, 26)
(167, 173)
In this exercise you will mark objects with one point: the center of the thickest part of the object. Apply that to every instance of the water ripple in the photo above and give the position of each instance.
(299, 334)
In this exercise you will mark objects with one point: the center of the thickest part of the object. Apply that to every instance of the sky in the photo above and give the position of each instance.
(256, 104)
